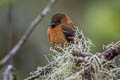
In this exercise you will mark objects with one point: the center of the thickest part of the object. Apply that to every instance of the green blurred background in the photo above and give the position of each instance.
(99, 20)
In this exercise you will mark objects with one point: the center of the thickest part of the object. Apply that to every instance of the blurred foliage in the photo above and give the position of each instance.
(5, 2)
(99, 20)
(102, 22)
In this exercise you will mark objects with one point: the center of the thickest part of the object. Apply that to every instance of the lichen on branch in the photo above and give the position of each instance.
(76, 62)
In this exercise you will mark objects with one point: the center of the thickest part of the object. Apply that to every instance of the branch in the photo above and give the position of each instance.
(109, 54)
(30, 29)
(46, 69)
(10, 68)
(10, 32)
(41, 71)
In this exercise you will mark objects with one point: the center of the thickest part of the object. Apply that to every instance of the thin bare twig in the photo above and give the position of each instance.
(10, 32)
(9, 69)
(30, 29)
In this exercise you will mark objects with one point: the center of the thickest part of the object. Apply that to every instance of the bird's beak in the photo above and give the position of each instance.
(53, 24)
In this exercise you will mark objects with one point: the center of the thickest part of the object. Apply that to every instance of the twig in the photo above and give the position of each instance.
(9, 71)
(109, 54)
(41, 71)
(114, 76)
(10, 33)
(37, 20)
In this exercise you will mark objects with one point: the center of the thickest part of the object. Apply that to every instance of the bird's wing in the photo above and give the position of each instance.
(69, 32)
(49, 34)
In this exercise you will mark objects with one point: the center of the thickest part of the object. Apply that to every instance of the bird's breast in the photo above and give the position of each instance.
(56, 36)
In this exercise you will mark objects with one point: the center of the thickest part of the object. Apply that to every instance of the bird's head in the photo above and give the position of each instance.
(60, 18)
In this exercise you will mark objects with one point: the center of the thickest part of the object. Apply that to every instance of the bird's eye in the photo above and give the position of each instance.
(59, 21)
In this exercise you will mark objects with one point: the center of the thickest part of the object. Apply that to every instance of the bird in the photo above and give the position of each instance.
(61, 31)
